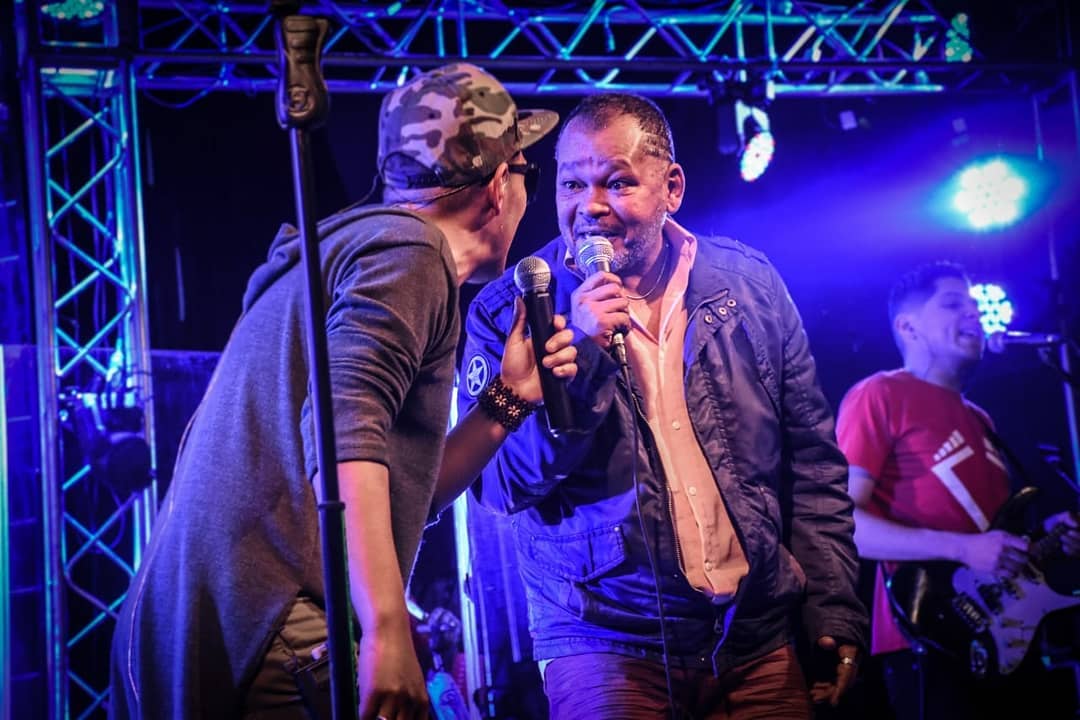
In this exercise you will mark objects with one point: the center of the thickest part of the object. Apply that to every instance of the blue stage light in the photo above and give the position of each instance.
(990, 194)
(995, 308)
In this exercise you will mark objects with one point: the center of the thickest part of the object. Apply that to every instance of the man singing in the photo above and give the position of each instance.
(927, 479)
(668, 539)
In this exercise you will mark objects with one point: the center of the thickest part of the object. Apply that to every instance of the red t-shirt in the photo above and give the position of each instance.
(934, 465)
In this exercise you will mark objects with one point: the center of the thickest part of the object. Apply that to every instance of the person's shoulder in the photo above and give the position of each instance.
(385, 223)
(883, 383)
(728, 256)
(727, 251)
(978, 410)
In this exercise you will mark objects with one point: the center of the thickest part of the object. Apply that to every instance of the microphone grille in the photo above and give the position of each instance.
(593, 249)
(995, 342)
(532, 274)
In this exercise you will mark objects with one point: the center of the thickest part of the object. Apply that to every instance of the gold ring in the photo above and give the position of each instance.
(844, 660)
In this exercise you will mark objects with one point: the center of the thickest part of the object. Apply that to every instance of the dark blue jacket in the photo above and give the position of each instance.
(766, 430)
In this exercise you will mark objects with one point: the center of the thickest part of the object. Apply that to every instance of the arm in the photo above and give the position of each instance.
(476, 437)
(881, 539)
(531, 462)
(821, 510)
(380, 332)
(821, 521)
(389, 674)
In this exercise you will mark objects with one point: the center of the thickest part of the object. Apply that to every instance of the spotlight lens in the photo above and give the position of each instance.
(990, 194)
(995, 308)
(757, 156)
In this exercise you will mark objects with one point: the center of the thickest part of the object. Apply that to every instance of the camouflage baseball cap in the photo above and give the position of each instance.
(453, 126)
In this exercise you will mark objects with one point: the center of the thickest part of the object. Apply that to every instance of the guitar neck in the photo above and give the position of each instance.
(1050, 544)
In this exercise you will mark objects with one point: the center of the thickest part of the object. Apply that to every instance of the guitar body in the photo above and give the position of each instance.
(985, 622)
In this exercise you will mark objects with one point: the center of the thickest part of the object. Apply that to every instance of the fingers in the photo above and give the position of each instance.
(822, 691)
(1070, 543)
(826, 642)
(561, 363)
(1015, 543)
(1012, 555)
(563, 336)
(518, 328)
(1056, 519)
(846, 671)
(602, 285)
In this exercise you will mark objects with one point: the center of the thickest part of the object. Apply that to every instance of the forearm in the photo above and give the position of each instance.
(375, 583)
(469, 447)
(881, 539)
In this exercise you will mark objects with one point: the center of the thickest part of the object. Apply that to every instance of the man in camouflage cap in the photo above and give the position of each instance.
(228, 603)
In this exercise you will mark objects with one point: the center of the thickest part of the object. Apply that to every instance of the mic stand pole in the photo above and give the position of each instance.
(302, 103)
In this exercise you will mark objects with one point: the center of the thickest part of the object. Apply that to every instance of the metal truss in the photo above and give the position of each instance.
(871, 47)
(93, 349)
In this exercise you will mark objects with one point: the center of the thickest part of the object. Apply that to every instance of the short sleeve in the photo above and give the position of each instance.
(862, 427)
(391, 313)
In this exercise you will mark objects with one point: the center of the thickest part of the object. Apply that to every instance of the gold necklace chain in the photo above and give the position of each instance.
(656, 284)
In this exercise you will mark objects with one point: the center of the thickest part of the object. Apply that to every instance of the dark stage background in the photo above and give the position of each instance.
(840, 213)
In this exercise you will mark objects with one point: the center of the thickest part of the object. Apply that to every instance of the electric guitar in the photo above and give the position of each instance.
(982, 620)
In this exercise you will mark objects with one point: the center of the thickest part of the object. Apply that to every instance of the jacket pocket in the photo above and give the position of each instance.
(580, 557)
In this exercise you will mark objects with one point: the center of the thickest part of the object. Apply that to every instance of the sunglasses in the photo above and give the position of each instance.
(531, 172)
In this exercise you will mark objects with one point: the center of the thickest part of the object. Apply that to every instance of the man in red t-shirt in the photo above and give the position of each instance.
(927, 480)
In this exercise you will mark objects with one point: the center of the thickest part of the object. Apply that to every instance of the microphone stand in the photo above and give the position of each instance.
(302, 103)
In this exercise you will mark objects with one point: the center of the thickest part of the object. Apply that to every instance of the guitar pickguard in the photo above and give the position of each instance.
(1011, 610)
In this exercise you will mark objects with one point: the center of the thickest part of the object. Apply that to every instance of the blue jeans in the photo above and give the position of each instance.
(606, 686)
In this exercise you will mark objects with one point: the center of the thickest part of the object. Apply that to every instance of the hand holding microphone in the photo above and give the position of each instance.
(600, 309)
(553, 355)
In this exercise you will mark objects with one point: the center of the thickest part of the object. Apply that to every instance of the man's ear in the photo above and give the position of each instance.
(904, 327)
(498, 187)
(675, 181)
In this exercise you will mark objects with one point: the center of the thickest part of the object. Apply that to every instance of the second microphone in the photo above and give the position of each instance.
(533, 279)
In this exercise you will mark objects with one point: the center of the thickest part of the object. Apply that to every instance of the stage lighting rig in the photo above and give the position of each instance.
(74, 10)
(108, 425)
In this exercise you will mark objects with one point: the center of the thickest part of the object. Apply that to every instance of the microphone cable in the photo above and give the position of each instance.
(636, 411)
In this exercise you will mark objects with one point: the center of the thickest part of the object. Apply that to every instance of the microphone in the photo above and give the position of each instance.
(533, 277)
(996, 341)
(594, 254)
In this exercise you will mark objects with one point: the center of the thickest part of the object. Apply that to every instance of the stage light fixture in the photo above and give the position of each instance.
(74, 10)
(995, 307)
(958, 40)
(990, 194)
(757, 142)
